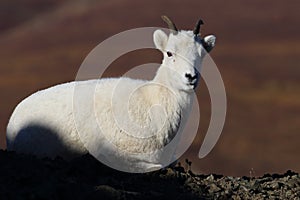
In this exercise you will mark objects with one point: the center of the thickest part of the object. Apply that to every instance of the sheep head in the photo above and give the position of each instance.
(183, 52)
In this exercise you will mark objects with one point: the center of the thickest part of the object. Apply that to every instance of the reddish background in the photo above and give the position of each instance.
(42, 43)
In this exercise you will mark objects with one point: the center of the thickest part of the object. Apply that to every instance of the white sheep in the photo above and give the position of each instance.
(144, 118)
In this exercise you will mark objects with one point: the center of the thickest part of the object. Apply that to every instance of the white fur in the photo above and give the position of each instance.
(43, 123)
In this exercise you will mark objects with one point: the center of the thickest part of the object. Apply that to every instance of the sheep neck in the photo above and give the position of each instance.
(176, 103)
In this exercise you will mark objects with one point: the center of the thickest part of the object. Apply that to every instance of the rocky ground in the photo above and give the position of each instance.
(26, 177)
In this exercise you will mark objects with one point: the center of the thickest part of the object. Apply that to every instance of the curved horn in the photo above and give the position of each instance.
(171, 25)
(197, 27)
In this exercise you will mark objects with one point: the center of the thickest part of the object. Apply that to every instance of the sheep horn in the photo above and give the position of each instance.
(170, 24)
(197, 27)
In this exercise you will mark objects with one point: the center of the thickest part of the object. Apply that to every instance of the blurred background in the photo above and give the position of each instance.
(42, 43)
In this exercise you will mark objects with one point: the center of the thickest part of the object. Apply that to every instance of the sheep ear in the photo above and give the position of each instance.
(160, 39)
(209, 42)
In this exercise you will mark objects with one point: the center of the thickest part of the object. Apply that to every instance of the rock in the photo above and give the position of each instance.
(108, 192)
(274, 185)
(210, 178)
(213, 188)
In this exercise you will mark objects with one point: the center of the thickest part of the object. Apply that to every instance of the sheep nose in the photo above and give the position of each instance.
(190, 77)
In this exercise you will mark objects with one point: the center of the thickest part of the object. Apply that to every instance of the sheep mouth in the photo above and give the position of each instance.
(194, 85)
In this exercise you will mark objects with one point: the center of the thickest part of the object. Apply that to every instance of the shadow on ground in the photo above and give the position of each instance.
(28, 177)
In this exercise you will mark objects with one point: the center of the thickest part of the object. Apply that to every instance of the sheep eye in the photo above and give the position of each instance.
(169, 54)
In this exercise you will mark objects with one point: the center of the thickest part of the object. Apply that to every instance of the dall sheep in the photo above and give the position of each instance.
(43, 124)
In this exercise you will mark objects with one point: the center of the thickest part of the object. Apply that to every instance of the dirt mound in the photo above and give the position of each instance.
(27, 177)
